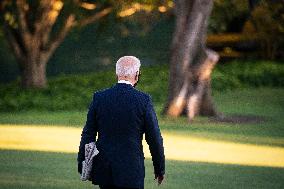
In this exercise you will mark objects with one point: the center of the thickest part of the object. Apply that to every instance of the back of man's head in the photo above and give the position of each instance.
(127, 66)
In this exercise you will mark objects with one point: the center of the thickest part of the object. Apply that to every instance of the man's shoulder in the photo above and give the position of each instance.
(102, 92)
(140, 94)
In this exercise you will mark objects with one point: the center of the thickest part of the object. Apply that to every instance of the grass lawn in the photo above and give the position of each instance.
(31, 169)
(267, 103)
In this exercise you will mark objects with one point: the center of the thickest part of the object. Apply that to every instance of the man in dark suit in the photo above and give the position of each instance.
(120, 116)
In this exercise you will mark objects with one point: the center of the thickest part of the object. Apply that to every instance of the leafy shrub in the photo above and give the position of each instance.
(268, 21)
(252, 74)
(74, 92)
(228, 16)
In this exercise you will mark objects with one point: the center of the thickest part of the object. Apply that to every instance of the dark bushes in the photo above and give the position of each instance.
(74, 92)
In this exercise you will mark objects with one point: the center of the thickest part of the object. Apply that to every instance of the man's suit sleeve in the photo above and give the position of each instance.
(154, 139)
(88, 135)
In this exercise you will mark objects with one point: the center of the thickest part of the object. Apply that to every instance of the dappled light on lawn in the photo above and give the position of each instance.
(177, 147)
(39, 138)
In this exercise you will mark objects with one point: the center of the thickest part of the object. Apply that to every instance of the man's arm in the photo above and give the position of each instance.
(154, 139)
(88, 135)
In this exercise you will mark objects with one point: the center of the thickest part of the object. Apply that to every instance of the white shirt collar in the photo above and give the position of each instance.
(125, 81)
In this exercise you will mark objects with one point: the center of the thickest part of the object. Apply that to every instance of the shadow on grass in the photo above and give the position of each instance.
(240, 119)
(28, 170)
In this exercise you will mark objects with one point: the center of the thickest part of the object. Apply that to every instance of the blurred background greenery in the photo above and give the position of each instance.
(247, 84)
(85, 60)
(73, 92)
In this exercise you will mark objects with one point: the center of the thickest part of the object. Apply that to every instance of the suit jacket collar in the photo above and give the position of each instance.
(125, 81)
(123, 85)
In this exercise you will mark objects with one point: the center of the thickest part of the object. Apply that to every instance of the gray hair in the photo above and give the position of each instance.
(127, 66)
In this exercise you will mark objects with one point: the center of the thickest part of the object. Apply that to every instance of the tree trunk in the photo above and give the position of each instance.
(191, 63)
(33, 75)
(33, 41)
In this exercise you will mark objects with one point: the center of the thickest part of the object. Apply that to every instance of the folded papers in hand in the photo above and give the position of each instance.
(90, 152)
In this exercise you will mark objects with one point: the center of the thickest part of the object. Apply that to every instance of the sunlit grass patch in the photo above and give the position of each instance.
(45, 170)
(177, 147)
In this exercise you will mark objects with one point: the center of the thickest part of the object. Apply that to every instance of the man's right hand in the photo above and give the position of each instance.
(80, 167)
(159, 178)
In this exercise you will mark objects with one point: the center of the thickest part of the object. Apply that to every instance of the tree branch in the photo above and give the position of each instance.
(23, 26)
(48, 14)
(42, 20)
(94, 17)
(69, 23)
(15, 46)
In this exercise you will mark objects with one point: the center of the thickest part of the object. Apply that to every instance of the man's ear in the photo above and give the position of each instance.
(137, 75)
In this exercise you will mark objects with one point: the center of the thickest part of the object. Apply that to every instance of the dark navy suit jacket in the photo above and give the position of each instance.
(120, 116)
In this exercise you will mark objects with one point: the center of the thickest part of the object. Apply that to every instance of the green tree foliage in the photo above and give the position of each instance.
(268, 21)
(35, 29)
(228, 16)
